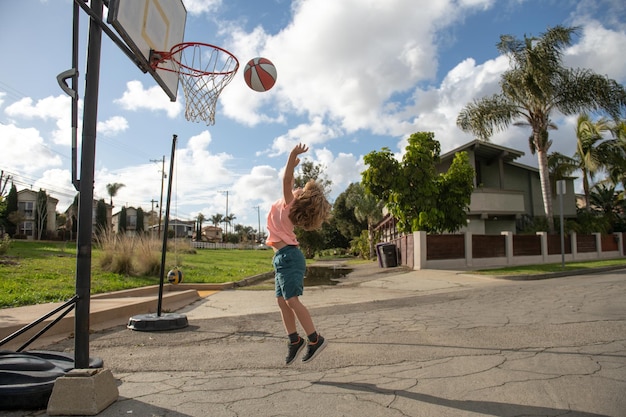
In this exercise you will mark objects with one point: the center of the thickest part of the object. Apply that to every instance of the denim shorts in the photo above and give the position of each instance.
(290, 267)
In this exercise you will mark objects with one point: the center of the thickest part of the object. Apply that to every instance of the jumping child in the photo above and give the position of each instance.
(306, 208)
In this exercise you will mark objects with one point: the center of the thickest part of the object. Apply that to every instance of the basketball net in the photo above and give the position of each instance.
(203, 71)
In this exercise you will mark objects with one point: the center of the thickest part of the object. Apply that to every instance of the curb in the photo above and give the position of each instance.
(561, 274)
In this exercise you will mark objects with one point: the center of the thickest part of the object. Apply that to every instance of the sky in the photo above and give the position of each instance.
(354, 76)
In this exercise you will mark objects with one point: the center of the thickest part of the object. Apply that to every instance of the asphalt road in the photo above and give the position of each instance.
(412, 344)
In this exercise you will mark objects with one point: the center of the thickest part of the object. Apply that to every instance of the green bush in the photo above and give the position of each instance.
(5, 244)
(360, 246)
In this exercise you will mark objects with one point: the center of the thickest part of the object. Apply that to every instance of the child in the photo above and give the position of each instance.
(306, 208)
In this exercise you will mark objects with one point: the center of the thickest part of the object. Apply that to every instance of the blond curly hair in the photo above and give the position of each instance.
(310, 209)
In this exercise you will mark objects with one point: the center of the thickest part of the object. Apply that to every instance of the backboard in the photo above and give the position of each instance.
(146, 25)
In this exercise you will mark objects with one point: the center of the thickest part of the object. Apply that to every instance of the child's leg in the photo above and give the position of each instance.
(289, 318)
(302, 313)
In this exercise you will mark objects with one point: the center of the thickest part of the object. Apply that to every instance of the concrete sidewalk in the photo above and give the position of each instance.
(401, 343)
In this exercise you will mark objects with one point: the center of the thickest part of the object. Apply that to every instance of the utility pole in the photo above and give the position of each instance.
(258, 211)
(152, 213)
(162, 179)
(226, 217)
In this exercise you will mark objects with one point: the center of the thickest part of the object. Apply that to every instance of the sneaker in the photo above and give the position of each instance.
(294, 350)
(314, 349)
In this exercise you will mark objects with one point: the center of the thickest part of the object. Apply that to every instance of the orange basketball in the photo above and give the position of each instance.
(260, 74)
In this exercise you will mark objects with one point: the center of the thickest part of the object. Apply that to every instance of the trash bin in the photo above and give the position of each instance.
(389, 256)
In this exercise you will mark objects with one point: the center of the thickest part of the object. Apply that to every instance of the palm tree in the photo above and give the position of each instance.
(366, 208)
(200, 219)
(615, 162)
(112, 189)
(228, 220)
(589, 149)
(536, 86)
(216, 219)
(606, 200)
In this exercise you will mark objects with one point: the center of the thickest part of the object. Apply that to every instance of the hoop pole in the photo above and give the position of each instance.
(85, 204)
(166, 226)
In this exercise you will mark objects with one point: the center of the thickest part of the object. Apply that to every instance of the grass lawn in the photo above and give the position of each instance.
(548, 268)
(41, 272)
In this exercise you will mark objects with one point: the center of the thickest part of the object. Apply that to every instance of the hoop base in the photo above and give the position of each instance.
(155, 323)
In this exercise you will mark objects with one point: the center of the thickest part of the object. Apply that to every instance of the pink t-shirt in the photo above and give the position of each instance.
(279, 227)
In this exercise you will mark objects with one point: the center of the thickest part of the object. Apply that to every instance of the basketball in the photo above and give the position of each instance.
(260, 74)
(175, 276)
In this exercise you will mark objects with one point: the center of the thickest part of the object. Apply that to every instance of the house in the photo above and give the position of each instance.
(71, 215)
(209, 234)
(506, 193)
(27, 207)
(131, 221)
(179, 228)
(506, 196)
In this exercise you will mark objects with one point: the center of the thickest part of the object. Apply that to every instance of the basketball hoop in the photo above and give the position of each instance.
(203, 70)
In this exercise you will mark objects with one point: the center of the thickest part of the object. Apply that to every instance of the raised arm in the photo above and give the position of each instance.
(292, 163)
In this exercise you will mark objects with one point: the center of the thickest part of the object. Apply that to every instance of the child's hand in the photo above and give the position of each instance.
(297, 150)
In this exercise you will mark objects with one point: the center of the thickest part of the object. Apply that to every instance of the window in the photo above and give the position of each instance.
(26, 229)
(26, 207)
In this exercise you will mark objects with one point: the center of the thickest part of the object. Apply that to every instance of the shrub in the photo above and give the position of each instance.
(5, 244)
(360, 246)
(149, 257)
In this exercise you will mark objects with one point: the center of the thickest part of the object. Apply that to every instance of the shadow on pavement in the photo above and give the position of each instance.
(482, 407)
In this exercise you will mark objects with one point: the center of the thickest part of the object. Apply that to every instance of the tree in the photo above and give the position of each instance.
(121, 226)
(615, 162)
(112, 190)
(536, 86)
(228, 221)
(4, 181)
(589, 149)
(140, 221)
(199, 220)
(102, 223)
(606, 201)
(415, 194)
(12, 207)
(368, 209)
(41, 213)
(343, 216)
(560, 167)
(216, 219)
(73, 209)
(311, 240)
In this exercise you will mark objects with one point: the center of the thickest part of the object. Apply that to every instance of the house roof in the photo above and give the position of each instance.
(34, 193)
(486, 150)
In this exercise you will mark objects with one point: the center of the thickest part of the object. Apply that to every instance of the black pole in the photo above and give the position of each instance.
(166, 226)
(75, 30)
(85, 202)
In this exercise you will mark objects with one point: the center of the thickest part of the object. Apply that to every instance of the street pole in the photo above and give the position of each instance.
(85, 202)
(560, 187)
(226, 219)
(258, 210)
(152, 201)
(162, 180)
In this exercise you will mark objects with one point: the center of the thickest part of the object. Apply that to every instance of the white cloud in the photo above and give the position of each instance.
(54, 108)
(30, 156)
(137, 98)
(113, 126)
(597, 49)
(196, 7)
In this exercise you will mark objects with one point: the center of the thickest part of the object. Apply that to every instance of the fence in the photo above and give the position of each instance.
(470, 251)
